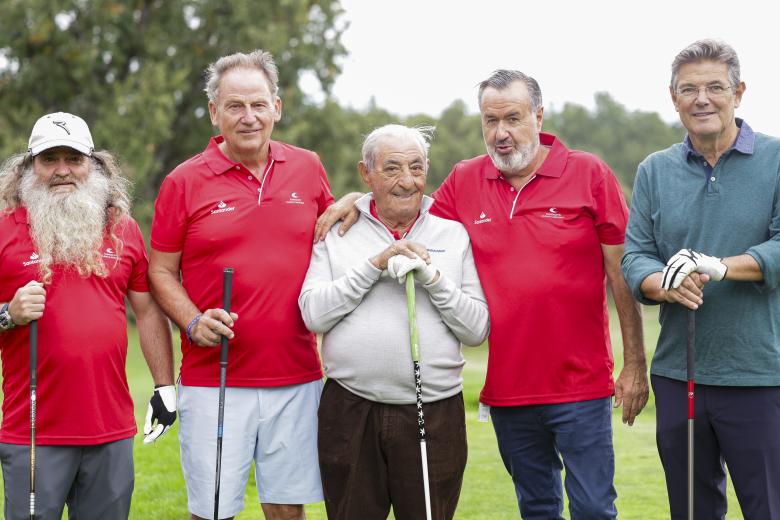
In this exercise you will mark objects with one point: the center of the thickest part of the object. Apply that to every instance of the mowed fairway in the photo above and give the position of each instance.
(487, 489)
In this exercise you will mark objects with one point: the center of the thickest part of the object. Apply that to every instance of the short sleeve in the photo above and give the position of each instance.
(139, 281)
(610, 209)
(169, 225)
(325, 198)
(445, 197)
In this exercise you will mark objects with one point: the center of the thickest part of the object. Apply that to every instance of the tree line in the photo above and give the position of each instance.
(134, 70)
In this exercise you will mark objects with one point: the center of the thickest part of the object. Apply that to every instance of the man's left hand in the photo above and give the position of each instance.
(631, 391)
(162, 408)
(687, 261)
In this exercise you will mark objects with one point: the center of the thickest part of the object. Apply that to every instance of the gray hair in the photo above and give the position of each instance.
(257, 59)
(708, 50)
(421, 135)
(502, 78)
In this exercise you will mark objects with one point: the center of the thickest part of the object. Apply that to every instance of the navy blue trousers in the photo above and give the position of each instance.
(537, 441)
(736, 425)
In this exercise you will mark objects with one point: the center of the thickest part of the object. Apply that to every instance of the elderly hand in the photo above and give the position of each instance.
(28, 303)
(400, 247)
(211, 326)
(398, 266)
(687, 261)
(343, 210)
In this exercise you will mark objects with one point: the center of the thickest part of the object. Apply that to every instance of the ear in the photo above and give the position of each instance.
(539, 118)
(277, 108)
(673, 94)
(363, 169)
(738, 92)
(213, 113)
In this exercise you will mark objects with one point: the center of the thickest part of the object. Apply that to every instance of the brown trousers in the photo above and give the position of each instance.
(370, 456)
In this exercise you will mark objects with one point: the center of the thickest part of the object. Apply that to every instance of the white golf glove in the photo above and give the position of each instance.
(399, 265)
(162, 408)
(687, 261)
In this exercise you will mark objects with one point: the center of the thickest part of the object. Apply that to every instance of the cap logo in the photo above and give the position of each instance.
(62, 125)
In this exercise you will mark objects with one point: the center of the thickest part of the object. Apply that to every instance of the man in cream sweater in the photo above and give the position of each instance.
(368, 449)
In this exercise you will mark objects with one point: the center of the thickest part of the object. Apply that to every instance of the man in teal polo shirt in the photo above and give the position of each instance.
(704, 234)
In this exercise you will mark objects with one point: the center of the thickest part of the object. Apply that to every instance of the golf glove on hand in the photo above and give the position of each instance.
(162, 408)
(687, 261)
(399, 265)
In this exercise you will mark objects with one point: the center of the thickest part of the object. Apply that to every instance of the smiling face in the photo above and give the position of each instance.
(245, 112)
(709, 113)
(397, 179)
(62, 169)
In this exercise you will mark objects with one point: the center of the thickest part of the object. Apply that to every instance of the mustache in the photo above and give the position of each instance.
(59, 181)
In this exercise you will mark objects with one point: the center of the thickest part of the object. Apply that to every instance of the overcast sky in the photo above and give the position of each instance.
(420, 55)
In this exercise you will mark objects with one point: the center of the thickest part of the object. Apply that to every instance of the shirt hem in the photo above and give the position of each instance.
(546, 399)
(718, 381)
(255, 383)
(66, 440)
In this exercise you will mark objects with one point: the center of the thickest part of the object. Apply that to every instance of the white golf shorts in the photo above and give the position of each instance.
(276, 427)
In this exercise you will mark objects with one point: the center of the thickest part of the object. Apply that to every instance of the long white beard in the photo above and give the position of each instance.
(68, 228)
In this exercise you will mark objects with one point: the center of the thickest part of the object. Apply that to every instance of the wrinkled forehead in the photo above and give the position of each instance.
(60, 152)
(397, 148)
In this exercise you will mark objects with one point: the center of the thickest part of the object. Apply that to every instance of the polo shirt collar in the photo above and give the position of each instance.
(219, 162)
(744, 143)
(553, 164)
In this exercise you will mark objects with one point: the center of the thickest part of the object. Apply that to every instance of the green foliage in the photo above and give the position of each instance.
(134, 69)
(621, 138)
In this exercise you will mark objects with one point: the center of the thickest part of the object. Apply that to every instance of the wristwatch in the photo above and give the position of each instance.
(6, 322)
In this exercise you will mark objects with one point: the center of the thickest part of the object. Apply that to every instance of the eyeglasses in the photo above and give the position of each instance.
(715, 90)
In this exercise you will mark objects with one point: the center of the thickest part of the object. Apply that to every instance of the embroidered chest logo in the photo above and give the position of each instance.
(552, 213)
(111, 254)
(34, 259)
(222, 207)
(483, 219)
(294, 199)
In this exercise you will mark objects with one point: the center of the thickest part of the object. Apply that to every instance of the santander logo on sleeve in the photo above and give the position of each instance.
(34, 259)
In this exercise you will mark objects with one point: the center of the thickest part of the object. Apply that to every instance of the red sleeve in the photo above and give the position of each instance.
(445, 196)
(610, 210)
(169, 225)
(326, 197)
(138, 277)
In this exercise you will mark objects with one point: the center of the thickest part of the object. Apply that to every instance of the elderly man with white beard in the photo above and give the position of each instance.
(69, 255)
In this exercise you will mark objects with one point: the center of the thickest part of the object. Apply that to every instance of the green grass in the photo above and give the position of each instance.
(487, 489)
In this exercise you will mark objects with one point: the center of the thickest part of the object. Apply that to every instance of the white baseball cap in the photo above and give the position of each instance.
(60, 129)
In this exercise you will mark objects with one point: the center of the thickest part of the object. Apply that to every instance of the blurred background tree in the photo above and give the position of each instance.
(134, 70)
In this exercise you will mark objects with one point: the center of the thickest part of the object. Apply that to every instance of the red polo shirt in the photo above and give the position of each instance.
(213, 211)
(539, 258)
(83, 397)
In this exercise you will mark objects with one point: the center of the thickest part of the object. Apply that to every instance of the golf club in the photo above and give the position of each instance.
(227, 289)
(33, 403)
(691, 372)
(412, 311)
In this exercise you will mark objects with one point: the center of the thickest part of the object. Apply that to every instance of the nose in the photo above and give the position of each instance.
(701, 96)
(62, 167)
(406, 178)
(501, 131)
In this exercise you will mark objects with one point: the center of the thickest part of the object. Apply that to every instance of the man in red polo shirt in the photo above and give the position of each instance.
(249, 203)
(69, 255)
(547, 227)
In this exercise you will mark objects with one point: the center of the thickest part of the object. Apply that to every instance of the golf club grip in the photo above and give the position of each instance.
(691, 351)
(227, 295)
(411, 309)
(33, 353)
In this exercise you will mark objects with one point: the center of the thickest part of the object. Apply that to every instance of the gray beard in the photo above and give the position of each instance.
(515, 162)
(68, 228)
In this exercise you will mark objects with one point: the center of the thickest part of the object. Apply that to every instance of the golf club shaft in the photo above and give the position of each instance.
(691, 368)
(412, 312)
(227, 289)
(33, 408)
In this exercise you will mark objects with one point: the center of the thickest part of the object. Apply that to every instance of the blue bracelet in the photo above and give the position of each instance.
(194, 322)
